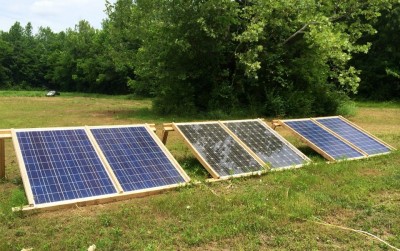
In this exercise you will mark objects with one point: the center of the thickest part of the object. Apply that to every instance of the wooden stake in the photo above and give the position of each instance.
(2, 159)
(167, 127)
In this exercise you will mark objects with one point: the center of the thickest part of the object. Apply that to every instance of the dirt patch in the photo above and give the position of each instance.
(370, 172)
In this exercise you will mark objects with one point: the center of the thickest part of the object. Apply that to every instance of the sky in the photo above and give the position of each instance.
(56, 14)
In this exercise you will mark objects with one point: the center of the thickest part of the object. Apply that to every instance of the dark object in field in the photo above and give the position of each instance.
(52, 93)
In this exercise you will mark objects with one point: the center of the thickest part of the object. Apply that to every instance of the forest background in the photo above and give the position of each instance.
(264, 57)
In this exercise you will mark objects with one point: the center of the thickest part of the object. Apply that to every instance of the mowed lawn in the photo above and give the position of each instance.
(299, 209)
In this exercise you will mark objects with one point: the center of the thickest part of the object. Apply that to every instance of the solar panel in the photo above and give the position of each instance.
(221, 152)
(327, 142)
(358, 138)
(138, 161)
(266, 143)
(61, 165)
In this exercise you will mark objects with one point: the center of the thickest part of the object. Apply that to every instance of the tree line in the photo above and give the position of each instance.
(284, 57)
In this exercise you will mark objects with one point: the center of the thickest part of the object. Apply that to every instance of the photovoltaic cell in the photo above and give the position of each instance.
(323, 139)
(353, 135)
(62, 165)
(219, 149)
(135, 157)
(266, 144)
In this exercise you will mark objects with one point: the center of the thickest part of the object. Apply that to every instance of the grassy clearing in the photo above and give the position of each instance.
(274, 211)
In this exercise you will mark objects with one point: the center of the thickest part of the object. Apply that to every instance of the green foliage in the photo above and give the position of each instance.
(380, 67)
(276, 58)
(284, 57)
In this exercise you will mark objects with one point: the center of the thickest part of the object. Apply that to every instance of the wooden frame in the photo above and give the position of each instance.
(282, 139)
(117, 196)
(206, 165)
(312, 145)
(4, 134)
(167, 127)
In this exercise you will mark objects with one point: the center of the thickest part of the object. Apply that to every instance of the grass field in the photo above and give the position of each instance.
(279, 210)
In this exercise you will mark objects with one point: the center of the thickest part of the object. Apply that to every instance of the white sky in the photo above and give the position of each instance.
(56, 14)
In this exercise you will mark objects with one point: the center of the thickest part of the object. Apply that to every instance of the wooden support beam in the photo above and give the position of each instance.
(153, 127)
(5, 134)
(167, 127)
(275, 123)
(2, 159)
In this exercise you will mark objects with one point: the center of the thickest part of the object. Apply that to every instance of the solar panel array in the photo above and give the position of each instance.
(336, 138)
(219, 149)
(266, 143)
(239, 147)
(357, 137)
(66, 165)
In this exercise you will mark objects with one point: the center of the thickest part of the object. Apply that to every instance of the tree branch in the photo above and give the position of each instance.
(297, 32)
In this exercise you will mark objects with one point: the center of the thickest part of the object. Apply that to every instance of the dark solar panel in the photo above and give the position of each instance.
(354, 136)
(135, 157)
(264, 142)
(220, 150)
(62, 165)
(323, 139)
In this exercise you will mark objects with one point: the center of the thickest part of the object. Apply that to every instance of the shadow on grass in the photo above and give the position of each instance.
(309, 152)
(194, 169)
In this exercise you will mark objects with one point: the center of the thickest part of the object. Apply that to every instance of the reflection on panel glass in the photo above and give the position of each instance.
(262, 141)
(323, 139)
(219, 149)
(353, 135)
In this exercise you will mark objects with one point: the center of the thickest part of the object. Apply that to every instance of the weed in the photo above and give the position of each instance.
(348, 109)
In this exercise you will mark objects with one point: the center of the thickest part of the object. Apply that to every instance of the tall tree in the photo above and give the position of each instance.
(381, 66)
(23, 60)
(5, 59)
(275, 57)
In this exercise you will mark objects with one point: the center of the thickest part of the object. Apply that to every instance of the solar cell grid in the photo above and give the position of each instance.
(363, 141)
(219, 149)
(323, 139)
(135, 157)
(62, 165)
(261, 139)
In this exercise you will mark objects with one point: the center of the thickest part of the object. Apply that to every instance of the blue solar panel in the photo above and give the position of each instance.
(323, 139)
(219, 149)
(135, 157)
(62, 165)
(354, 136)
(266, 144)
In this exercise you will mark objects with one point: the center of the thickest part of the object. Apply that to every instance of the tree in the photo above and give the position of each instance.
(380, 67)
(186, 53)
(272, 57)
(5, 58)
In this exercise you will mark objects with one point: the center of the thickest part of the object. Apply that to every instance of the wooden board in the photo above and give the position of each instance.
(2, 159)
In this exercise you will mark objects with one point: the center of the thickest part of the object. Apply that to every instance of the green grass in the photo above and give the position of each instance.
(276, 211)
(374, 104)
